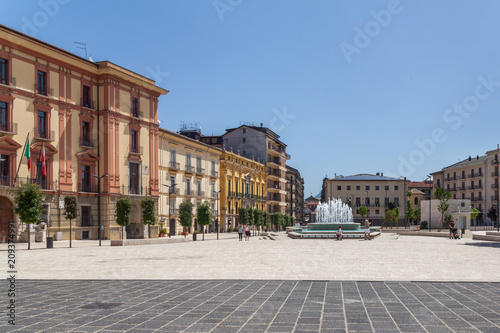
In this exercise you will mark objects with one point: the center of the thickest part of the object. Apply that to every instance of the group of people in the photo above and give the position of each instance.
(246, 229)
(340, 234)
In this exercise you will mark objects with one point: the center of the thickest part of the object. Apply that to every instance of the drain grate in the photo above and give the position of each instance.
(101, 306)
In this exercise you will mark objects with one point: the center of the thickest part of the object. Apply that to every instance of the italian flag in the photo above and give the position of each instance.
(28, 155)
(42, 159)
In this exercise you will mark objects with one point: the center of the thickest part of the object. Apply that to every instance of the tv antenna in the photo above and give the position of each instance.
(83, 47)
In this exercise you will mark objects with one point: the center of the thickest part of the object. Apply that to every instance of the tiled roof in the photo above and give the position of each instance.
(365, 176)
(419, 184)
(467, 162)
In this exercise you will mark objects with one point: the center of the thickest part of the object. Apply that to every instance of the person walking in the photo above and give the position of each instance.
(367, 229)
(240, 232)
(247, 232)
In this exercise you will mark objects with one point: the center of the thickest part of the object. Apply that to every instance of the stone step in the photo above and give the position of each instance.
(492, 233)
(490, 238)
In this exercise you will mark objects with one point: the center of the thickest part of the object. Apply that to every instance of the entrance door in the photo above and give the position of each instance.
(171, 227)
(461, 222)
(6, 215)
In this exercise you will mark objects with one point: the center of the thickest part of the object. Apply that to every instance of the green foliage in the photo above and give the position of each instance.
(258, 217)
(229, 229)
(186, 214)
(362, 211)
(391, 216)
(447, 220)
(423, 225)
(443, 197)
(251, 219)
(28, 202)
(163, 231)
(148, 211)
(391, 205)
(266, 219)
(409, 213)
(474, 213)
(417, 214)
(123, 211)
(242, 216)
(71, 207)
(204, 213)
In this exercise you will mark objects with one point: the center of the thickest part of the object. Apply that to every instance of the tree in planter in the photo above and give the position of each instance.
(71, 208)
(443, 197)
(186, 215)
(204, 215)
(474, 214)
(28, 202)
(123, 212)
(148, 212)
(362, 211)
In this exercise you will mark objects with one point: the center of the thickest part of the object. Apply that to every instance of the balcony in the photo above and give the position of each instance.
(200, 171)
(274, 160)
(45, 135)
(136, 190)
(477, 199)
(42, 90)
(494, 173)
(86, 142)
(214, 174)
(87, 103)
(276, 186)
(8, 128)
(137, 114)
(174, 166)
(474, 175)
(189, 193)
(271, 197)
(87, 188)
(135, 149)
(288, 156)
(189, 169)
(494, 198)
(200, 194)
(494, 186)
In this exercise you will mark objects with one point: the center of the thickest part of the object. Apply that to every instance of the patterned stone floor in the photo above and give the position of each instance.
(108, 306)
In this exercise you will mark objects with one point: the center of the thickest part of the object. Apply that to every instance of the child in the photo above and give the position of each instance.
(339, 233)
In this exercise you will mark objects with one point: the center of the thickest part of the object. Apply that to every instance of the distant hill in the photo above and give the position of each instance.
(318, 196)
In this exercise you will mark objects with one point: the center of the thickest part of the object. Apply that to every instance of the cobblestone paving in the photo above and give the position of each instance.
(108, 306)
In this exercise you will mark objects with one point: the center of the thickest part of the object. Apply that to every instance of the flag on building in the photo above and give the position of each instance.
(42, 159)
(28, 155)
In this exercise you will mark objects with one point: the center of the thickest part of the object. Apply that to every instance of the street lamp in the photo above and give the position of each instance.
(169, 208)
(99, 204)
(217, 207)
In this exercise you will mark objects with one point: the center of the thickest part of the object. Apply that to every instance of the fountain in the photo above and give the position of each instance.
(330, 216)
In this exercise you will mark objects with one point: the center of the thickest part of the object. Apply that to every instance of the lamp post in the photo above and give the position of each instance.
(430, 205)
(99, 203)
(169, 208)
(217, 206)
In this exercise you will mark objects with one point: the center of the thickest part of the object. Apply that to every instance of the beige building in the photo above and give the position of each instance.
(294, 194)
(190, 170)
(92, 119)
(243, 184)
(375, 192)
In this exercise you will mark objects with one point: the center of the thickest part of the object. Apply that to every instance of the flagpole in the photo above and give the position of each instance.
(21, 159)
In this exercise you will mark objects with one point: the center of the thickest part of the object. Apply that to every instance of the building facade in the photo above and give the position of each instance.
(189, 171)
(375, 192)
(95, 123)
(294, 194)
(243, 184)
(263, 145)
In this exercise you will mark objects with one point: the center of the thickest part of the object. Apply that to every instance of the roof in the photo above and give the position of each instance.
(180, 136)
(311, 198)
(467, 162)
(416, 192)
(264, 130)
(365, 176)
(420, 184)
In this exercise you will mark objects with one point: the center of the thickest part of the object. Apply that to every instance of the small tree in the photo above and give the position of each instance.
(257, 217)
(123, 212)
(266, 220)
(409, 213)
(251, 218)
(474, 214)
(71, 208)
(443, 197)
(28, 202)
(417, 214)
(362, 211)
(242, 216)
(492, 215)
(186, 215)
(148, 212)
(204, 215)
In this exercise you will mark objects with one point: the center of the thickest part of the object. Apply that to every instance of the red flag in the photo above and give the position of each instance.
(42, 159)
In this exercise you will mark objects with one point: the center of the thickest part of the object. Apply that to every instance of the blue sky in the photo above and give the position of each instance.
(401, 87)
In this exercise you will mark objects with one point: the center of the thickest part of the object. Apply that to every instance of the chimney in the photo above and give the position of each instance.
(382, 174)
(261, 124)
(378, 173)
(470, 158)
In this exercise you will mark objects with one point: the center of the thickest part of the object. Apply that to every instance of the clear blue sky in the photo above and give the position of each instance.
(416, 90)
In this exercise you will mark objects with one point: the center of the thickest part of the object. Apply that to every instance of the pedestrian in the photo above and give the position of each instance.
(247, 232)
(339, 233)
(453, 230)
(240, 232)
(367, 229)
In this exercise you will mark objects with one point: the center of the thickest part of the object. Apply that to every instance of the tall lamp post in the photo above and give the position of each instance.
(430, 204)
(99, 204)
(216, 217)
(169, 208)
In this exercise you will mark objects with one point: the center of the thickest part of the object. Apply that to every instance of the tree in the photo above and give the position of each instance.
(492, 215)
(204, 215)
(71, 208)
(391, 216)
(266, 220)
(417, 214)
(123, 212)
(443, 197)
(242, 216)
(28, 202)
(258, 217)
(148, 212)
(396, 216)
(362, 211)
(186, 215)
(409, 213)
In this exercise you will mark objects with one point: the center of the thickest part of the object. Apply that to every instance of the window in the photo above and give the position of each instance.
(86, 97)
(386, 187)
(358, 187)
(463, 195)
(4, 170)
(4, 121)
(244, 130)
(415, 201)
(396, 201)
(172, 155)
(472, 196)
(243, 140)
(85, 181)
(42, 83)
(213, 168)
(172, 206)
(86, 134)
(377, 202)
(213, 190)
(135, 108)
(40, 179)
(386, 201)
(377, 187)
(472, 172)
(339, 188)
(236, 187)
(3, 71)
(377, 211)
(367, 187)
(229, 185)
(133, 141)
(480, 172)
(188, 161)
(198, 185)
(367, 201)
(198, 164)
(188, 186)
(42, 125)
(358, 201)
(348, 187)
(86, 216)
(134, 178)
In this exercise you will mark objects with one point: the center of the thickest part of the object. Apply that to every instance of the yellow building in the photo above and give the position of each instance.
(243, 184)
(189, 169)
(91, 119)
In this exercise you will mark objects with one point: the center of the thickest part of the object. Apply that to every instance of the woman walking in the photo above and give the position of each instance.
(240, 232)
(247, 232)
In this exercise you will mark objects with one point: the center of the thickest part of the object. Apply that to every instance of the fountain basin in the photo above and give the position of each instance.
(333, 226)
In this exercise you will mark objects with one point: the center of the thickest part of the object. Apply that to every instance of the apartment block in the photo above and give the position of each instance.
(294, 194)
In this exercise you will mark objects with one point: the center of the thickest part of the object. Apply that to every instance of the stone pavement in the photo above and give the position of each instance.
(390, 284)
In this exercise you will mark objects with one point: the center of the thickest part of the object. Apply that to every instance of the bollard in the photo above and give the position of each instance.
(50, 242)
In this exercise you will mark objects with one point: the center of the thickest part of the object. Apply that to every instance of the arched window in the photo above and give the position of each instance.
(416, 201)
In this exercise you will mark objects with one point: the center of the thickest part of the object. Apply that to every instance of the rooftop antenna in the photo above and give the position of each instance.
(84, 47)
